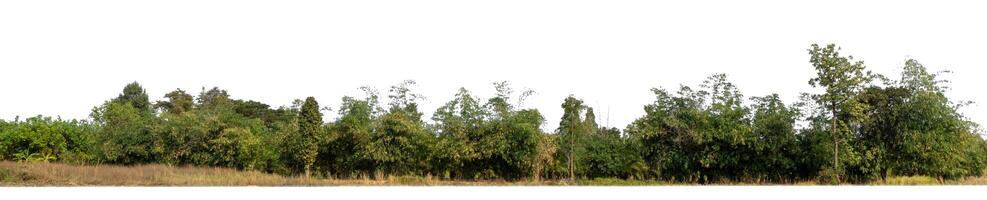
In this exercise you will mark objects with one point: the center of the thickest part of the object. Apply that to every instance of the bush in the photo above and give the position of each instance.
(44, 139)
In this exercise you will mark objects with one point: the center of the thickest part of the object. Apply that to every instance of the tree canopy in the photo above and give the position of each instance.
(860, 126)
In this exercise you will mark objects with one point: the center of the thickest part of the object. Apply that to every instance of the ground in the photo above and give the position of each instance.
(56, 174)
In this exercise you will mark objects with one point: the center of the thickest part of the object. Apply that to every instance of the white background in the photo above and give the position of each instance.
(61, 58)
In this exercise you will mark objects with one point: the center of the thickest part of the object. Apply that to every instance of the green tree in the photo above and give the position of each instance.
(513, 134)
(701, 135)
(842, 78)
(459, 126)
(608, 154)
(309, 128)
(401, 144)
(178, 102)
(344, 152)
(914, 129)
(498, 139)
(776, 145)
(45, 139)
(134, 95)
(125, 122)
(213, 133)
(572, 131)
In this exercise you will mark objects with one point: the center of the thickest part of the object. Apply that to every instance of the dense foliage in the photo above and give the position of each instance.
(860, 127)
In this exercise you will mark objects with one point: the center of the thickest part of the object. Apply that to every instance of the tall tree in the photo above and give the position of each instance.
(572, 130)
(842, 78)
(309, 128)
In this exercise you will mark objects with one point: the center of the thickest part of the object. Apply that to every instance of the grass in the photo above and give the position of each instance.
(621, 182)
(908, 180)
(57, 174)
(45, 174)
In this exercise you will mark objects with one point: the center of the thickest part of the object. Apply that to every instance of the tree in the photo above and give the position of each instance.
(775, 135)
(126, 120)
(309, 128)
(572, 130)
(703, 135)
(728, 143)
(214, 98)
(914, 129)
(45, 139)
(401, 145)
(842, 79)
(513, 133)
(211, 132)
(608, 154)
(590, 122)
(459, 126)
(134, 95)
(345, 152)
(853, 131)
(258, 110)
(498, 139)
(519, 149)
(178, 102)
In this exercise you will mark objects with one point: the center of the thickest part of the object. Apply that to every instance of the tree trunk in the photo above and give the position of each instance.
(572, 174)
(836, 144)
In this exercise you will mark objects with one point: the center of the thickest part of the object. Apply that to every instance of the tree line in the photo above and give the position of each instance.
(863, 126)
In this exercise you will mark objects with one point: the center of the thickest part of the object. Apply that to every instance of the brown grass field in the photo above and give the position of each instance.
(56, 174)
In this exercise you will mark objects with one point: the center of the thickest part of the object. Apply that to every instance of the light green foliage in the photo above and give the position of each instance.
(46, 139)
(842, 78)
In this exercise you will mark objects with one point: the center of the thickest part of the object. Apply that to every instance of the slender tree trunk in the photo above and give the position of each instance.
(836, 144)
(572, 174)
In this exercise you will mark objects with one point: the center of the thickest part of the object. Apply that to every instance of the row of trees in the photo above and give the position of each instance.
(863, 126)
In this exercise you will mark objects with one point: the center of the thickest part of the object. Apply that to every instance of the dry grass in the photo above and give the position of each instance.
(42, 174)
(56, 174)
(908, 180)
(980, 180)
